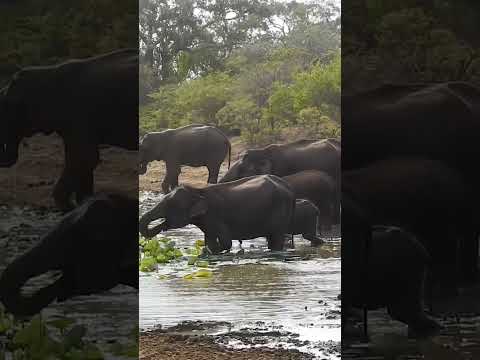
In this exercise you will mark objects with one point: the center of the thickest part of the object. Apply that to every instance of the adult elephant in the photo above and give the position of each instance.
(437, 121)
(320, 189)
(95, 247)
(192, 145)
(286, 159)
(87, 102)
(238, 210)
(375, 273)
(427, 198)
(440, 121)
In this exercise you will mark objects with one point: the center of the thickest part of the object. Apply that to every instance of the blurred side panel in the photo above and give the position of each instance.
(68, 179)
(410, 223)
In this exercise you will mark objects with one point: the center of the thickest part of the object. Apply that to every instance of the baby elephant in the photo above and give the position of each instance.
(384, 267)
(94, 246)
(305, 221)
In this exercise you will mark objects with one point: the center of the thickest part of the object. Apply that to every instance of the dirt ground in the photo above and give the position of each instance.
(159, 346)
(40, 164)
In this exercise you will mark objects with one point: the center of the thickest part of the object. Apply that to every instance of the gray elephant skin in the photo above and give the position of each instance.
(238, 210)
(87, 102)
(193, 145)
(437, 121)
(95, 247)
(287, 159)
(427, 198)
(375, 274)
(305, 221)
(321, 189)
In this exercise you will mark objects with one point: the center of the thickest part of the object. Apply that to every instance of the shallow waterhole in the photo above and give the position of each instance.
(287, 299)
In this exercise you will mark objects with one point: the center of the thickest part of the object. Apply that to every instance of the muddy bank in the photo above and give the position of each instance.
(159, 346)
(32, 178)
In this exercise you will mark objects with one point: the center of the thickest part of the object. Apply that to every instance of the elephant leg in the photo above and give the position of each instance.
(212, 244)
(88, 159)
(171, 177)
(469, 257)
(224, 237)
(276, 241)
(312, 237)
(409, 308)
(213, 172)
(63, 191)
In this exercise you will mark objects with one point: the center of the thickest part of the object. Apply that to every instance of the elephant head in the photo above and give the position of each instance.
(28, 265)
(102, 227)
(152, 147)
(177, 208)
(254, 162)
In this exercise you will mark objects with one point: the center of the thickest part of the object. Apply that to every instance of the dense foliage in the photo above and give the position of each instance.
(254, 65)
(405, 40)
(43, 32)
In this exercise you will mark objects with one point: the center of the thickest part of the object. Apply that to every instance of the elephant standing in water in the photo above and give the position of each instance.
(87, 102)
(437, 121)
(383, 266)
(305, 221)
(192, 145)
(427, 198)
(287, 159)
(238, 210)
(95, 247)
(320, 189)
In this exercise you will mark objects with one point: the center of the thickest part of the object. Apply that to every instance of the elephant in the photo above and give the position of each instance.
(383, 266)
(320, 189)
(287, 159)
(95, 247)
(192, 145)
(87, 102)
(291, 158)
(427, 198)
(439, 121)
(242, 209)
(305, 221)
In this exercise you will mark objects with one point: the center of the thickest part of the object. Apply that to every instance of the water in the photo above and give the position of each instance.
(110, 316)
(290, 299)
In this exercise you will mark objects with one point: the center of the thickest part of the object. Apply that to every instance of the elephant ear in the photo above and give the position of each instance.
(200, 207)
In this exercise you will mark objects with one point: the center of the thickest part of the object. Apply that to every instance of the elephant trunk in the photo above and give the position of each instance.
(157, 212)
(33, 263)
(232, 174)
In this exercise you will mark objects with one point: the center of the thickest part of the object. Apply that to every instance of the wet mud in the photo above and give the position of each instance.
(388, 339)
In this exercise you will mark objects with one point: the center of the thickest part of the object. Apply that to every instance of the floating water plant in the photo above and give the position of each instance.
(154, 252)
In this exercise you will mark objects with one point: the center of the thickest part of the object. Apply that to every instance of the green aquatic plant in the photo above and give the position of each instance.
(154, 252)
(59, 338)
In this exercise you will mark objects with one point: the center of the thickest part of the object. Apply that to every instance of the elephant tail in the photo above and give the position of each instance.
(227, 140)
(229, 153)
(28, 265)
